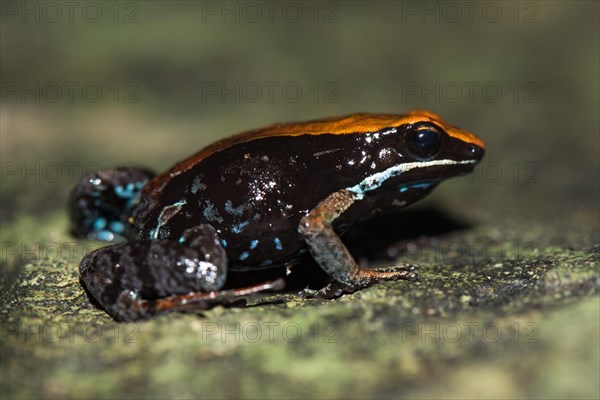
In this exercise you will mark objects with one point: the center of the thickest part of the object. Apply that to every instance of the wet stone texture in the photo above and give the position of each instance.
(516, 321)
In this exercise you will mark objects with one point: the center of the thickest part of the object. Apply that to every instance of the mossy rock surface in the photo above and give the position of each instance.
(506, 327)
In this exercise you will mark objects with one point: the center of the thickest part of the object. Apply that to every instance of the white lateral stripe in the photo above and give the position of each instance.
(374, 181)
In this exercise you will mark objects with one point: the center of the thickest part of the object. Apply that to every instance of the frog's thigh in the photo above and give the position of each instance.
(139, 279)
(332, 255)
(204, 238)
(125, 278)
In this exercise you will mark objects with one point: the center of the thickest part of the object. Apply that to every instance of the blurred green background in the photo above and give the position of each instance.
(94, 84)
(168, 79)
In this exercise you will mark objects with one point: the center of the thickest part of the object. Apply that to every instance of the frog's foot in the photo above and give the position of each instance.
(132, 308)
(332, 291)
(368, 277)
(205, 300)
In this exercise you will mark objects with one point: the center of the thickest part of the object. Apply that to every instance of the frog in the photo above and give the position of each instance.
(261, 199)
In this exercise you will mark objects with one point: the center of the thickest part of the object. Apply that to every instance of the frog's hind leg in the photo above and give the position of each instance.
(138, 279)
(130, 307)
(101, 204)
(204, 300)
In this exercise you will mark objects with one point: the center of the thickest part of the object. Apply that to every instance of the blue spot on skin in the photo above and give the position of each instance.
(116, 227)
(238, 228)
(197, 185)
(124, 192)
(253, 244)
(244, 255)
(237, 211)
(105, 235)
(266, 263)
(99, 224)
(224, 242)
(278, 244)
(424, 185)
(129, 190)
(210, 213)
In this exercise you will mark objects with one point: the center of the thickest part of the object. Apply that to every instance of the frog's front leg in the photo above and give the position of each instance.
(332, 255)
(142, 278)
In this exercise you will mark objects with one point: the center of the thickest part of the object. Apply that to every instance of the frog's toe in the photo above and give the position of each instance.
(411, 267)
(307, 293)
(399, 268)
(376, 275)
(331, 291)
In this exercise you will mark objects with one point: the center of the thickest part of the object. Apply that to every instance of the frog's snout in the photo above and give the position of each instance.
(475, 151)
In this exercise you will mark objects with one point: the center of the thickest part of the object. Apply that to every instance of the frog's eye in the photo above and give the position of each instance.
(424, 140)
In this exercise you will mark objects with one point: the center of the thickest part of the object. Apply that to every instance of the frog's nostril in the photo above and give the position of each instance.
(475, 151)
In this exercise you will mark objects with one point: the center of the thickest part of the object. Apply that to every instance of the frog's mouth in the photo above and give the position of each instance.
(427, 170)
(439, 172)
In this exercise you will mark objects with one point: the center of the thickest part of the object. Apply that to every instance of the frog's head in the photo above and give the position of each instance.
(101, 204)
(430, 142)
(417, 151)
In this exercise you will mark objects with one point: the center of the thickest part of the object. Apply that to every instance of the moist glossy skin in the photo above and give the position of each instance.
(254, 193)
(271, 195)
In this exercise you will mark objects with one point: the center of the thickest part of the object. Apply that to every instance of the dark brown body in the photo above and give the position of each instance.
(255, 187)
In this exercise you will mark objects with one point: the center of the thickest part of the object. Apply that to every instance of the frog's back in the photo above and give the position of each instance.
(359, 123)
(254, 193)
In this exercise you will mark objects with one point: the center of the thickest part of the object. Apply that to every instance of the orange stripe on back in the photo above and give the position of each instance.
(355, 123)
